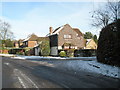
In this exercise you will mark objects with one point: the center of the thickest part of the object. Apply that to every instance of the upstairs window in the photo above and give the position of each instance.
(68, 36)
(77, 35)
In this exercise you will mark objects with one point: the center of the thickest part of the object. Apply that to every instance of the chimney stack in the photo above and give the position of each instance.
(51, 30)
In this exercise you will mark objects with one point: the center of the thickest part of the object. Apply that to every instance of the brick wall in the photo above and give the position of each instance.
(4, 51)
(32, 43)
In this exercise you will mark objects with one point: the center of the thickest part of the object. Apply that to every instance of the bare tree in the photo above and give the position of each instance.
(110, 13)
(101, 18)
(114, 8)
(5, 32)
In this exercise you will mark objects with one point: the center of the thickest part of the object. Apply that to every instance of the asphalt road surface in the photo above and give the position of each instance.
(18, 73)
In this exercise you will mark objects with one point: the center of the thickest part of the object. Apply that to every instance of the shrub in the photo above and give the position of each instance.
(45, 52)
(62, 54)
(109, 44)
(20, 53)
(27, 52)
(45, 48)
(70, 52)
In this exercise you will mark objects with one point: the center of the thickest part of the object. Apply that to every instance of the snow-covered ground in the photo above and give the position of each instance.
(83, 64)
(93, 66)
(48, 58)
(89, 64)
(8, 55)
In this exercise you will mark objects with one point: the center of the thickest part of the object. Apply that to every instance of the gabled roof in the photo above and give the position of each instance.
(78, 31)
(88, 41)
(42, 38)
(31, 37)
(57, 30)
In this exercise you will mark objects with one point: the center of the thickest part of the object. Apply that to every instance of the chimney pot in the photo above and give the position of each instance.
(51, 30)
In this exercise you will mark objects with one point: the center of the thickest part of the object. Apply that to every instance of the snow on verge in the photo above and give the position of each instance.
(48, 58)
(90, 66)
(94, 66)
(8, 55)
(37, 57)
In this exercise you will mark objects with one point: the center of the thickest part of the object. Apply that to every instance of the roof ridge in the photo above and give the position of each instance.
(57, 28)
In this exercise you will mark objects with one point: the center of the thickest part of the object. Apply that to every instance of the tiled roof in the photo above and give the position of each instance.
(56, 31)
(78, 31)
(88, 40)
(42, 38)
(31, 37)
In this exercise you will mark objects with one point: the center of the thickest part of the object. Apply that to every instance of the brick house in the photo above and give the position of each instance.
(30, 41)
(64, 38)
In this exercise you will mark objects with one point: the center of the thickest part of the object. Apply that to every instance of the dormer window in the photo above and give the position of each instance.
(68, 36)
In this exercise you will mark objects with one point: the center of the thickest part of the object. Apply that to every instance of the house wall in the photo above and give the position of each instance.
(32, 43)
(4, 51)
(53, 45)
(37, 51)
(91, 45)
(67, 30)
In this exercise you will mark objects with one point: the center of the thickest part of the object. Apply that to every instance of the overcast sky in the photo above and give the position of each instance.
(36, 17)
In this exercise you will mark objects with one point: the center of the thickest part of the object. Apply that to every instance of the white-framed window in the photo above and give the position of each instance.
(75, 47)
(66, 47)
(67, 36)
(72, 47)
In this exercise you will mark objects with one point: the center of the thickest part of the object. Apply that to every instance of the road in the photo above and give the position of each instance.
(18, 73)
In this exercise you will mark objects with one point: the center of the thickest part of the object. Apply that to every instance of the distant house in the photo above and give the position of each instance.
(30, 41)
(33, 41)
(64, 38)
(90, 44)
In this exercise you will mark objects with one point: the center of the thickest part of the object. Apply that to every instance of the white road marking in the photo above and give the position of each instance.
(31, 67)
(21, 82)
(18, 73)
(6, 63)
(64, 86)
(29, 79)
